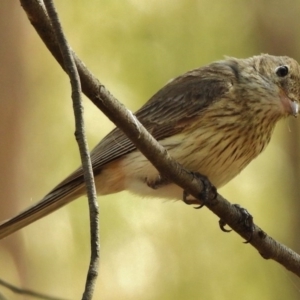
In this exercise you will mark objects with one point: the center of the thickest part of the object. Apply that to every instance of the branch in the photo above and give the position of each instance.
(158, 156)
(30, 293)
(83, 148)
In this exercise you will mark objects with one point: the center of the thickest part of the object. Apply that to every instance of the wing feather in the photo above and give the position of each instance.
(168, 111)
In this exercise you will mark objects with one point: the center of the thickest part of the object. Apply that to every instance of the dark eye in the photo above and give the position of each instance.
(282, 71)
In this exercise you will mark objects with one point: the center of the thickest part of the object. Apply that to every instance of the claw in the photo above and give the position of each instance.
(247, 220)
(192, 201)
(198, 207)
(209, 192)
(222, 225)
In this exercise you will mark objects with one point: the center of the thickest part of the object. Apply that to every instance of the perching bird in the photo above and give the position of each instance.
(213, 120)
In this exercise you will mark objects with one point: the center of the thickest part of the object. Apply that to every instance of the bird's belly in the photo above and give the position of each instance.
(219, 157)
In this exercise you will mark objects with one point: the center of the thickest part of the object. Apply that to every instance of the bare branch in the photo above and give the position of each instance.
(71, 69)
(30, 293)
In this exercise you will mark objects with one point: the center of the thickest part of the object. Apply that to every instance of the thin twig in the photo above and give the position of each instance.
(96, 92)
(2, 297)
(71, 69)
(20, 291)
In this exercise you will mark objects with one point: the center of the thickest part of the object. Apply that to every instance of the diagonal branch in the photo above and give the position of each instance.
(26, 292)
(123, 118)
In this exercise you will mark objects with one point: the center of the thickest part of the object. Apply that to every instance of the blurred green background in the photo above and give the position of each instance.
(150, 249)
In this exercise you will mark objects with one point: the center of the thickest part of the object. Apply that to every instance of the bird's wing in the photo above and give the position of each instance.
(167, 113)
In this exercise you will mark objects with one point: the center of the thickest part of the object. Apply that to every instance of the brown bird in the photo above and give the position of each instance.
(213, 120)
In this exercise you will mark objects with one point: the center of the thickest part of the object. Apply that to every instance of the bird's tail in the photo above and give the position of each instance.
(58, 197)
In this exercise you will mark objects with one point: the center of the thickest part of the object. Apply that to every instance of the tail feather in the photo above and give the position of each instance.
(57, 198)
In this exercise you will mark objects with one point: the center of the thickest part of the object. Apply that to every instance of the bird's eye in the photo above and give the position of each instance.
(282, 71)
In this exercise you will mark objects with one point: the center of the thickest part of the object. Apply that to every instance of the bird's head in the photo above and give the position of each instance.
(284, 72)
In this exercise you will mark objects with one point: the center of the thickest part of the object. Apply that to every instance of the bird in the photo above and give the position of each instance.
(214, 120)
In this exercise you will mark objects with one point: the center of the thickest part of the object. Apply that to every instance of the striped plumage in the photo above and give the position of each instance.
(213, 120)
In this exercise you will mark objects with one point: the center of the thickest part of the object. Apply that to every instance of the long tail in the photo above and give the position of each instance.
(57, 198)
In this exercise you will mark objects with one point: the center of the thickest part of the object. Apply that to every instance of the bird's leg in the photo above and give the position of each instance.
(208, 193)
(158, 182)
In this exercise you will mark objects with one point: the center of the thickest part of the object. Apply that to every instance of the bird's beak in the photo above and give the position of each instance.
(289, 103)
(294, 108)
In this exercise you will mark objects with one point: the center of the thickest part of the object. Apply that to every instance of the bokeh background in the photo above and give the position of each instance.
(150, 249)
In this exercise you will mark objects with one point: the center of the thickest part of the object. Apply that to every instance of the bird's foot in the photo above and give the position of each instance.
(158, 182)
(246, 219)
(208, 193)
